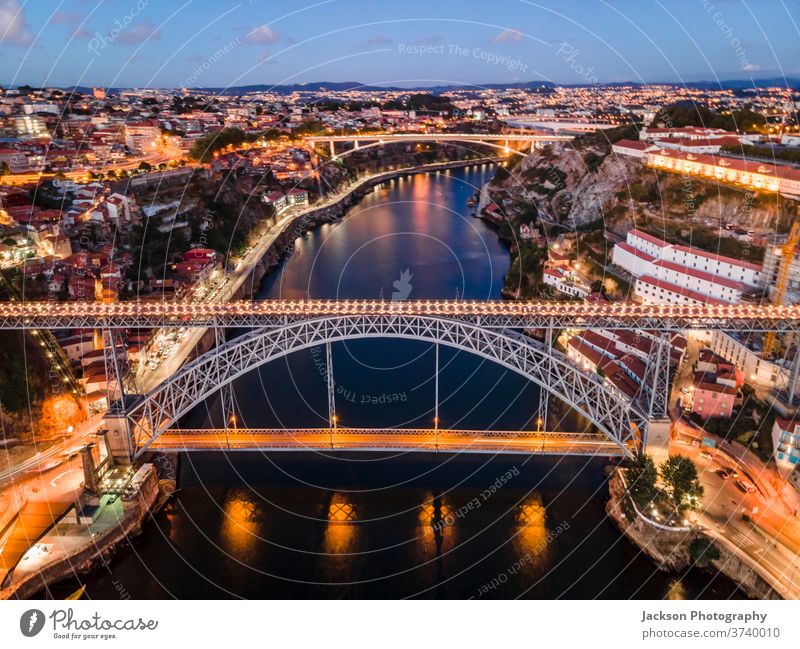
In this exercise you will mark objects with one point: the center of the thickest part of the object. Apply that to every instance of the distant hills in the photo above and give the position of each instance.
(338, 86)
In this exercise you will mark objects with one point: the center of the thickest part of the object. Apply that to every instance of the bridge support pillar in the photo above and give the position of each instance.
(333, 149)
(657, 379)
(115, 367)
(331, 390)
(544, 395)
(119, 438)
(227, 402)
(89, 470)
(656, 441)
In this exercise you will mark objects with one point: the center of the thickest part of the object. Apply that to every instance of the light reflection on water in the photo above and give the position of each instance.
(265, 526)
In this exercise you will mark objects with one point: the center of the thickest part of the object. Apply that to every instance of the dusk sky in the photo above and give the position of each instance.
(229, 43)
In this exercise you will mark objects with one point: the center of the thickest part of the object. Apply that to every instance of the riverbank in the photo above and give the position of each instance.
(75, 549)
(670, 550)
(314, 217)
(259, 262)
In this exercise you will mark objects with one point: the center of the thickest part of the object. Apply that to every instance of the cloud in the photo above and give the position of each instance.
(139, 32)
(81, 33)
(65, 18)
(263, 35)
(751, 67)
(14, 28)
(507, 36)
(380, 39)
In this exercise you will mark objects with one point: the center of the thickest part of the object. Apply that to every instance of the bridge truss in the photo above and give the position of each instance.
(621, 419)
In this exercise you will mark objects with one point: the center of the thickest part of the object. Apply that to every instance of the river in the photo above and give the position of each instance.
(391, 525)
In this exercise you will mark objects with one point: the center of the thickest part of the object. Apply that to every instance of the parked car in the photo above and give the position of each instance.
(722, 473)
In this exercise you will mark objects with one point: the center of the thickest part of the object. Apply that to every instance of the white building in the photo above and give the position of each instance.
(566, 280)
(748, 359)
(772, 261)
(676, 274)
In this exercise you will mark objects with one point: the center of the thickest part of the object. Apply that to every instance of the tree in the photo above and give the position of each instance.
(4, 169)
(598, 286)
(703, 551)
(642, 476)
(145, 166)
(680, 478)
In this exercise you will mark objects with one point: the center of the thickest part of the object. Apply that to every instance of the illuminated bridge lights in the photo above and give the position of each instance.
(745, 317)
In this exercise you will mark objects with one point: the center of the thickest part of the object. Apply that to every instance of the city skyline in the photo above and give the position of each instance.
(197, 43)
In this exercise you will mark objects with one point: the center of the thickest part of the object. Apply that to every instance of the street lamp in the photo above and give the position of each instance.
(334, 419)
(436, 431)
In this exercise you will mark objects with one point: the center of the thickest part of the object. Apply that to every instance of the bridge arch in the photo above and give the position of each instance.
(158, 410)
(371, 145)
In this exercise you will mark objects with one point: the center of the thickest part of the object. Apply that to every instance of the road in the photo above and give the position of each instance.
(768, 539)
(365, 439)
(161, 155)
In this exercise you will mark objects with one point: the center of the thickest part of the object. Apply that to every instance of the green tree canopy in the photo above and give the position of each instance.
(682, 485)
(642, 476)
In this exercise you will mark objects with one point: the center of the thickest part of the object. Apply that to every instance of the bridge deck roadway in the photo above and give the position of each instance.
(544, 136)
(368, 439)
(742, 317)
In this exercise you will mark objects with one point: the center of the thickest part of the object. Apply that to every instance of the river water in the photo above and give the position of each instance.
(391, 525)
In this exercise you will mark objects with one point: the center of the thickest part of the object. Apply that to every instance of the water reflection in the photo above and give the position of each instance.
(240, 524)
(341, 531)
(676, 590)
(531, 535)
(435, 525)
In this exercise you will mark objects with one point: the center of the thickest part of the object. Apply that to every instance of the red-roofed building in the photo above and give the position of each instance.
(633, 148)
(756, 175)
(713, 400)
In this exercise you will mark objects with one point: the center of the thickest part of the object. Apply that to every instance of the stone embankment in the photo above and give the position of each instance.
(98, 549)
(329, 213)
(670, 549)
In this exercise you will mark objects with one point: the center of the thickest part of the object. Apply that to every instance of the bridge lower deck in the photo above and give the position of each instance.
(370, 439)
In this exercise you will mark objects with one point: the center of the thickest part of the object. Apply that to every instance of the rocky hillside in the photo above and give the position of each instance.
(575, 184)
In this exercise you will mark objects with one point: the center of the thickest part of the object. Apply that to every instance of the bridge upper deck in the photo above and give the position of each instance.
(488, 314)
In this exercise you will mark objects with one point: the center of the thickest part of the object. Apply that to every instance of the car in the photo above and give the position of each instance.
(733, 473)
(740, 486)
(706, 455)
(748, 486)
(722, 473)
(685, 390)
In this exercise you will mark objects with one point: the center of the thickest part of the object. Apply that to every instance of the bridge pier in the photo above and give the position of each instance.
(119, 437)
(657, 379)
(656, 441)
(333, 149)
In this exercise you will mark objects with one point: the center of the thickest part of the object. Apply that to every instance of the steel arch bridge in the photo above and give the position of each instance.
(486, 139)
(619, 418)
